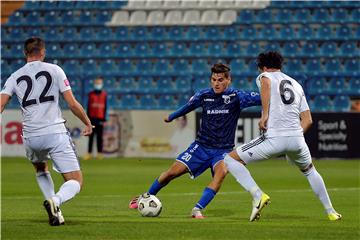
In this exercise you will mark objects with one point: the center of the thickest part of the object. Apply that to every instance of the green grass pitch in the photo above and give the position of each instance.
(101, 211)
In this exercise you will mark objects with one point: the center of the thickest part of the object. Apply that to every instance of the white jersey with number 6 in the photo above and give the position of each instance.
(287, 101)
(37, 86)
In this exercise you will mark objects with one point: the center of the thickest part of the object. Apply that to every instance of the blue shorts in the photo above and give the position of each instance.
(198, 158)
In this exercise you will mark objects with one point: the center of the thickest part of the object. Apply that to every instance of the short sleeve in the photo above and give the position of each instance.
(64, 83)
(303, 104)
(9, 86)
(258, 79)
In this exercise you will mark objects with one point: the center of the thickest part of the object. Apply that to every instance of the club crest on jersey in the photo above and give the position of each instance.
(226, 99)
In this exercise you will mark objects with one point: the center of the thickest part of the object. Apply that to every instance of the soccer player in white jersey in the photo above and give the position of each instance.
(284, 118)
(37, 86)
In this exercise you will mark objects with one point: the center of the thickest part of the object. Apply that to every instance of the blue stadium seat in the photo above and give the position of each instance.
(103, 16)
(71, 67)
(287, 32)
(291, 49)
(87, 34)
(272, 46)
(129, 101)
(241, 83)
(322, 103)
(354, 86)
(144, 67)
(6, 71)
(294, 67)
(147, 85)
(268, 32)
(165, 85)
(139, 33)
(333, 67)
(67, 18)
(313, 67)
(162, 67)
(341, 103)
(181, 66)
(305, 33)
(85, 18)
(324, 33)
(88, 50)
(125, 66)
(123, 50)
(175, 33)
(167, 101)
(160, 49)
(121, 33)
(90, 67)
(231, 32)
(339, 15)
(104, 34)
(215, 49)
(197, 49)
(213, 33)
(69, 34)
(128, 84)
(193, 33)
(245, 16)
(264, 16)
(16, 64)
(32, 5)
(148, 101)
(329, 49)
(317, 86)
(84, 4)
(72, 48)
(34, 18)
(51, 34)
(349, 49)
(182, 99)
(249, 33)
(106, 50)
(321, 15)
(15, 51)
(201, 83)
(108, 67)
(66, 5)
(302, 15)
(17, 19)
(179, 49)
(237, 66)
(355, 14)
(52, 18)
(15, 34)
(310, 49)
(142, 49)
(352, 67)
(284, 16)
(183, 84)
(233, 49)
(344, 33)
(200, 66)
(158, 33)
(337, 86)
(252, 49)
(54, 50)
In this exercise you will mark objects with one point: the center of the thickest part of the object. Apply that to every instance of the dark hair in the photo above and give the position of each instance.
(269, 60)
(221, 68)
(33, 46)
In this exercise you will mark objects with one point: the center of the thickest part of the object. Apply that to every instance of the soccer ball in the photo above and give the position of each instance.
(149, 205)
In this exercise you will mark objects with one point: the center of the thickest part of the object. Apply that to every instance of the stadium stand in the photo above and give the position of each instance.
(156, 54)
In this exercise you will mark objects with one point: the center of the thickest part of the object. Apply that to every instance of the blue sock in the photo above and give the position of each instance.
(206, 198)
(155, 187)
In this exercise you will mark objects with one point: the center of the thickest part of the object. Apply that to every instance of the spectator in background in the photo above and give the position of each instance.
(97, 108)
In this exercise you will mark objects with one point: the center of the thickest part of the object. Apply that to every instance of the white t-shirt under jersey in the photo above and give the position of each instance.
(37, 86)
(287, 101)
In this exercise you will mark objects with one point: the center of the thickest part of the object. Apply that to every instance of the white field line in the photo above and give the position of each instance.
(241, 191)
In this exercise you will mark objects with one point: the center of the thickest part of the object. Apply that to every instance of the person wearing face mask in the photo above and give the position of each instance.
(97, 108)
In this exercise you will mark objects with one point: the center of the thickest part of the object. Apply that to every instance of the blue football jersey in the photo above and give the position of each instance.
(220, 113)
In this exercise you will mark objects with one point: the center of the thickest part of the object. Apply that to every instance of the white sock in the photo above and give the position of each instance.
(318, 186)
(46, 184)
(243, 176)
(67, 191)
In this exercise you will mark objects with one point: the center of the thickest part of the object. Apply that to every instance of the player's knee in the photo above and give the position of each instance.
(308, 169)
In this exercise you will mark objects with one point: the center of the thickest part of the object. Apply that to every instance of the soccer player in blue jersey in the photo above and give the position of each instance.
(221, 107)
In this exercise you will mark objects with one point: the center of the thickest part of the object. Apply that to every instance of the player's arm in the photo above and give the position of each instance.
(265, 101)
(78, 111)
(193, 103)
(249, 99)
(306, 120)
(4, 100)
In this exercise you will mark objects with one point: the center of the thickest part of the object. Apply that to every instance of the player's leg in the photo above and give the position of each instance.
(210, 191)
(304, 162)
(257, 149)
(99, 141)
(176, 170)
(44, 180)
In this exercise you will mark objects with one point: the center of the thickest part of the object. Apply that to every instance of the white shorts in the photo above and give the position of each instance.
(295, 149)
(58, 147)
